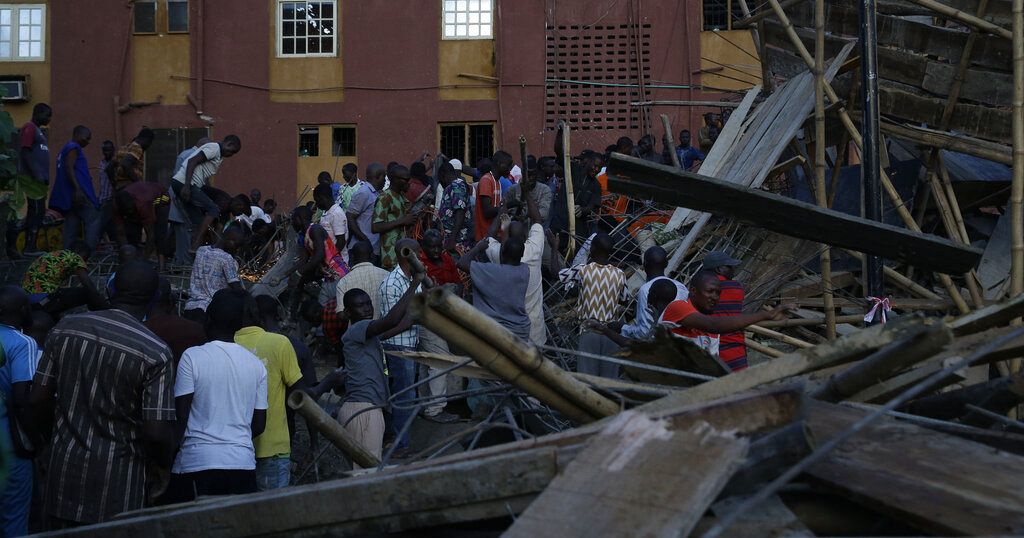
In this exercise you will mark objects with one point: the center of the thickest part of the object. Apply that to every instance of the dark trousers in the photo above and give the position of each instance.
(34, 214)
(187, 486)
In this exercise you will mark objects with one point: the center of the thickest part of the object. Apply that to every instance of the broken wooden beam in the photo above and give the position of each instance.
(935, 482)
(638, 477)
(884, 362)
(998, 395)
(643, 179)
(841, 351)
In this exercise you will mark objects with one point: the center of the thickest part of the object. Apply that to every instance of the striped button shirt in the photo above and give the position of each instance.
(110, 374)
(733, 346)
(391, 291)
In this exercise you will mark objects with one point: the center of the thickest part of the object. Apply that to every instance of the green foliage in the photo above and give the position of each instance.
(14, 187)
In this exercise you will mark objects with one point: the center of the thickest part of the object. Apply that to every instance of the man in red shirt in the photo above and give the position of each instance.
(694, 319)
(442, 270)
(733, 346)
(488, 194)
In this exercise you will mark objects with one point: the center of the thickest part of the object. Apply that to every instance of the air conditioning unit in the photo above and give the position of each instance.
(14, 88)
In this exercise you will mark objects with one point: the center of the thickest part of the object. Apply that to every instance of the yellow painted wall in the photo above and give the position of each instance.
(38, 74)
(156, 58)
(307, 168)
(739, 65)
(320, 79)
(475, 57)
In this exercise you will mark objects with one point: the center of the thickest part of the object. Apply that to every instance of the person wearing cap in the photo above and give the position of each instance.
(732, 346)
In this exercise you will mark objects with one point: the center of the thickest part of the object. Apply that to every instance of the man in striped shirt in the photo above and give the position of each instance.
(732, 347)
(602, 288)
(108, 381)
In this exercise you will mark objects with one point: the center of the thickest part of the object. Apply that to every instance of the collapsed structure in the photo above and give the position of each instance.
(893, 428)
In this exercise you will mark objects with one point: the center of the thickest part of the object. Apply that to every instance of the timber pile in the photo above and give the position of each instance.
(856, 435)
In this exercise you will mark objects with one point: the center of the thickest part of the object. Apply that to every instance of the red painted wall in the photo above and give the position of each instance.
(390, 76)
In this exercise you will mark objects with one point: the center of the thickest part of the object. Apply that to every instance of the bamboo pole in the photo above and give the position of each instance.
(1017, 189)
(763, 349)
(812, 322)
(670, 144)
(570, 198)
(775, 335)
(523, 354)
(855, 135)
(490, 358)
(331, 429)
(757, 35)
(900, 279)
(819, 160)
(966, 18)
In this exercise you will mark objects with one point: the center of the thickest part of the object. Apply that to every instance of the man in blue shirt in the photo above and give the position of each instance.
(21, 355)
(73, 193)
(687, 153)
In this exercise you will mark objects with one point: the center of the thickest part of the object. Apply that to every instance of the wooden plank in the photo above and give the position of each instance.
(769, 518)
(937, 483)
(385, 502)
(840, 351)
(994, 269)
(638, 477)
(639, 178)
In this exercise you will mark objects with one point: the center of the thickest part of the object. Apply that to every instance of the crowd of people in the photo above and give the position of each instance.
(115, 401)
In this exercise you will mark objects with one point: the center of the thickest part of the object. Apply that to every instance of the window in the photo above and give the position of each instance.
(144, 14)
(468, 19)
(167, 144)
(309, 141)
(177, 16)
(343, 142)
(467, 142)
(22, 31)
(721, 14)
(306, 29)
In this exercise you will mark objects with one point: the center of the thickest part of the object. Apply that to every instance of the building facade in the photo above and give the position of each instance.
(311, 86)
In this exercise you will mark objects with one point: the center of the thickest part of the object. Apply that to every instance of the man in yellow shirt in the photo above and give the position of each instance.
(273, 446)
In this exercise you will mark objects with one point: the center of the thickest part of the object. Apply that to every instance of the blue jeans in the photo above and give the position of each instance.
(273, 472)
(82, 217)
(15, 496)
(401, 375)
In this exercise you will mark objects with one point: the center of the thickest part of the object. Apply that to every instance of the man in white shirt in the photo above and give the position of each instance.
(334, 220)
(533, 255)
(655, 263)
(195, 173)
(220, 395)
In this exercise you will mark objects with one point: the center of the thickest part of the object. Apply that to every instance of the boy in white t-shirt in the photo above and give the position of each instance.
(220, 394)
(195, 173)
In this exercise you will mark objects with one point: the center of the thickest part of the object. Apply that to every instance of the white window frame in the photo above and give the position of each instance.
(280, 26)
(15, 30)
(467, 13)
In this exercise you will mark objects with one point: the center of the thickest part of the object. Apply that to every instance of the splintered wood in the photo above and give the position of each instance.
(637, 477)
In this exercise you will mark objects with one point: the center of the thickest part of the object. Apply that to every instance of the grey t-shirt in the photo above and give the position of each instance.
(499, 291)
(364, 361)
(362, 204)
